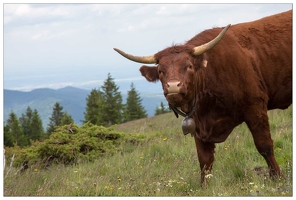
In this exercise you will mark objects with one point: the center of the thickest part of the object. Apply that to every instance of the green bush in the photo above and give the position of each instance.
(80, 144)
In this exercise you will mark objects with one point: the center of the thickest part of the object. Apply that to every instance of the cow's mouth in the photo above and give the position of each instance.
(175, 99)
(173, 93)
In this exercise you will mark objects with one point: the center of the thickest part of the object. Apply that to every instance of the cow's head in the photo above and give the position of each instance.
(176, 69)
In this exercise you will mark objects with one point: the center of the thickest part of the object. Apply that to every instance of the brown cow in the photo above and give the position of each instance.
(236, 77)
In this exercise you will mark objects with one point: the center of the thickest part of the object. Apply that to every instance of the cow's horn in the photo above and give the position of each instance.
(140, 59)
(205, 47)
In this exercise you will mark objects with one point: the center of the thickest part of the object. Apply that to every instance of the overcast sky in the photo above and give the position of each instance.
(58, 45)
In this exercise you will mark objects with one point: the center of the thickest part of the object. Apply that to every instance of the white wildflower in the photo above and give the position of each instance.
(209, 176)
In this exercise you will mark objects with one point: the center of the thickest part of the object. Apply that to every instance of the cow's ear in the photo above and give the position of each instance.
(150, 73)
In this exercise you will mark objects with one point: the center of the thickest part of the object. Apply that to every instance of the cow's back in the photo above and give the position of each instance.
(253, 61)
(268, 42)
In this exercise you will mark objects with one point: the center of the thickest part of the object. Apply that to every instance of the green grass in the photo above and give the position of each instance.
(167, 165)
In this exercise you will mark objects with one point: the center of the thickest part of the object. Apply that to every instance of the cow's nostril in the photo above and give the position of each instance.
(173, 87)
(173, 84)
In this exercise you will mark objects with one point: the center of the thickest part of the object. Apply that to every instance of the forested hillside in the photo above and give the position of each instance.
(72, 99)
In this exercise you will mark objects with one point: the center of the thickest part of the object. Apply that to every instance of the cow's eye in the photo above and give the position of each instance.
(190, 66)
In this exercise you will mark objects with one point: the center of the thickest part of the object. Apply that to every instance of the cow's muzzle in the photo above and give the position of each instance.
(173, 87)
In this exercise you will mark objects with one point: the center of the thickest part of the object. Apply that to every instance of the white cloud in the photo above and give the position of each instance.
(48, 34)
(109, 9)
(16, 9)
(163, 11)
(178, 9)
(130, 79)
(22, 10)
(128, 28)
(31, 14)
(40, 35)
(80, 84)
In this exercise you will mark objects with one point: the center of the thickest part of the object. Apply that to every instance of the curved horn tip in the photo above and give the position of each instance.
(227, 26)
(205, 47)
(115, 49)
(139, 59)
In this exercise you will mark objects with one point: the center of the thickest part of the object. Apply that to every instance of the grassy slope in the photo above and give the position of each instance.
(167, 165)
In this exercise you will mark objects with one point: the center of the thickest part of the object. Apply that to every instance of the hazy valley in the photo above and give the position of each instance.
(72, 99)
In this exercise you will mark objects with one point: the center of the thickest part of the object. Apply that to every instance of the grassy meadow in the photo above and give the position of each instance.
(166, 164)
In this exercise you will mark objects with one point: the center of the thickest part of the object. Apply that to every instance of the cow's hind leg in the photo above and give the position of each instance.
(205, 152)
(258, 124)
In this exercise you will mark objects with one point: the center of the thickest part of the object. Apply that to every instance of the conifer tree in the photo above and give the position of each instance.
(13, 133)
(56, 118)
(36, 127)
(161, 110)
(112, 109)
(32, 125)
(8, 142)
(26, 120)
(66, 119)
(133, 108)
(94, 107)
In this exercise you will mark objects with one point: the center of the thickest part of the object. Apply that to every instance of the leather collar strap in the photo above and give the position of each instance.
(177, 111)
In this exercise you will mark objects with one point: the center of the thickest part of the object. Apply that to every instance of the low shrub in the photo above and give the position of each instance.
(71, 146)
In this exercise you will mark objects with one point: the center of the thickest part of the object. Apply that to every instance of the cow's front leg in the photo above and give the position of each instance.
(205, 152)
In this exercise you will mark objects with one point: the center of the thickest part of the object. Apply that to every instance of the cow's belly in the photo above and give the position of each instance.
(282, 98)
(215, 130)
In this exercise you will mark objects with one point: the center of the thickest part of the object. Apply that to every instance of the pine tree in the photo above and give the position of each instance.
(8, 140)
(66, 119)
(25, 121)
(36, 127)
(94, 107)
(56, 118)
(13, 132)
(161, 110)
(112, 109)
(133, 108)
(32, 125)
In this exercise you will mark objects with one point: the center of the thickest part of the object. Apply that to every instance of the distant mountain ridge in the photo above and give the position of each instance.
(72, 99)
